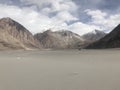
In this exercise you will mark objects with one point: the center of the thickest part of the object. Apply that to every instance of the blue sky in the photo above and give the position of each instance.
(79, 16)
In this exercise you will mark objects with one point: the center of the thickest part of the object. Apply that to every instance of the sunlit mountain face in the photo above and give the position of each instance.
(78, 16)
(14, 36)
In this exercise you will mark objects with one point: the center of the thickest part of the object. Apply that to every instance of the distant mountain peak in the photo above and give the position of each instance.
(94, 35)
(111, 40)
(59, 39)
(94, 31)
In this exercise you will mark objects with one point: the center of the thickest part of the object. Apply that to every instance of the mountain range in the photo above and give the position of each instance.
(61, 39)
(111, 40)
(94, 35)
(15, 36)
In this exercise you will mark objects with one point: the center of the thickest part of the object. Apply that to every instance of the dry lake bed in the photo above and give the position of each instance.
(60, 70)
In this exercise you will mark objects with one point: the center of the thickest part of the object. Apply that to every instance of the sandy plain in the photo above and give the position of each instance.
(60, 70)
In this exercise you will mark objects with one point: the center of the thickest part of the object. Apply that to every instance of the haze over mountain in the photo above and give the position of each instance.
(112, 40)
(94, 35)
(59, 39)
(14, 36)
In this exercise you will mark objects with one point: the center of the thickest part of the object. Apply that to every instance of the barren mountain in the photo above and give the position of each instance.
(112, 40)
(59, 39)
(94, 35)
(14, 36)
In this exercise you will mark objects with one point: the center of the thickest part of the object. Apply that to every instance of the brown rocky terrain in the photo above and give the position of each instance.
(14, 36)
(59, 39)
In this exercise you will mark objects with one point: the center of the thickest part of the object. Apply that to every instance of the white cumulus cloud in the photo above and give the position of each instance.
(103, 19)
(57, 14)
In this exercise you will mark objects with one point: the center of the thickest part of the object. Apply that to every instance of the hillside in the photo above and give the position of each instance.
(112, 40)
(14, 36)
(59, 39)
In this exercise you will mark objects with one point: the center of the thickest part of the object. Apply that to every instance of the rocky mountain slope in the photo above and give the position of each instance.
(112, 40)
(59, 39)
(14, 36)
(94, 35)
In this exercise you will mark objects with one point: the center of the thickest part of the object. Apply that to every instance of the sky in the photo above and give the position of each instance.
(78, 16)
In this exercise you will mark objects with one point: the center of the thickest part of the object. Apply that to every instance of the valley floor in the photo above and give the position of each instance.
(60, 70)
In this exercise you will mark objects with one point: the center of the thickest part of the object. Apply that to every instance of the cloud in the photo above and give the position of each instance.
(64, 16)
(82, 28)
(98, 20)
(103, 19)
(96, 14)
(51, 14)
(40, 15)
(110, 5)
(31, 19)
(52, 6)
